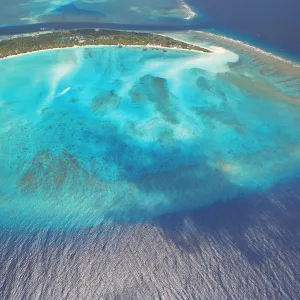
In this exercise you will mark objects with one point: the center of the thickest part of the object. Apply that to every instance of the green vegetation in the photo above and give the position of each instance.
(82, 37)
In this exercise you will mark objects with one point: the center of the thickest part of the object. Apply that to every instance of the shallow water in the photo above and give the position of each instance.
(131, 174)
(271, 24)
(109, 11)
(122, 135)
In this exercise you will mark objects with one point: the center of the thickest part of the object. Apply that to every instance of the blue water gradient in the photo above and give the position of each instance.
(101, 11)
(271, 24)
(234, 250)
(104, 135)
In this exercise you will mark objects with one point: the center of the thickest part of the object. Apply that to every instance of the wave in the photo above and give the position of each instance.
(63, 92)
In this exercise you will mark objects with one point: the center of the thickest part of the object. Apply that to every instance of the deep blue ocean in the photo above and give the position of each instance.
(270, 24)
(131, 174)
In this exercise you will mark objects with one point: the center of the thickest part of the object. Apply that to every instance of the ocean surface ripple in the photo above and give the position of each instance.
(133, 174)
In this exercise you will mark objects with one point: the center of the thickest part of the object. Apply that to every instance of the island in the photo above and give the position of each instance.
(91, 37)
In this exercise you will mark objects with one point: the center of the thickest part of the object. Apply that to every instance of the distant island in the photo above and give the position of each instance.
(90, 37)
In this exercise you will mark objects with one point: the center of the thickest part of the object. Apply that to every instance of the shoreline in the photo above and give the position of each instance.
(250, 47)
(148, 47)
(211, 49)
(223, 38)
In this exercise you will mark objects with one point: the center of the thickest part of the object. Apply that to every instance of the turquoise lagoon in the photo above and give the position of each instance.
(102, 134)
